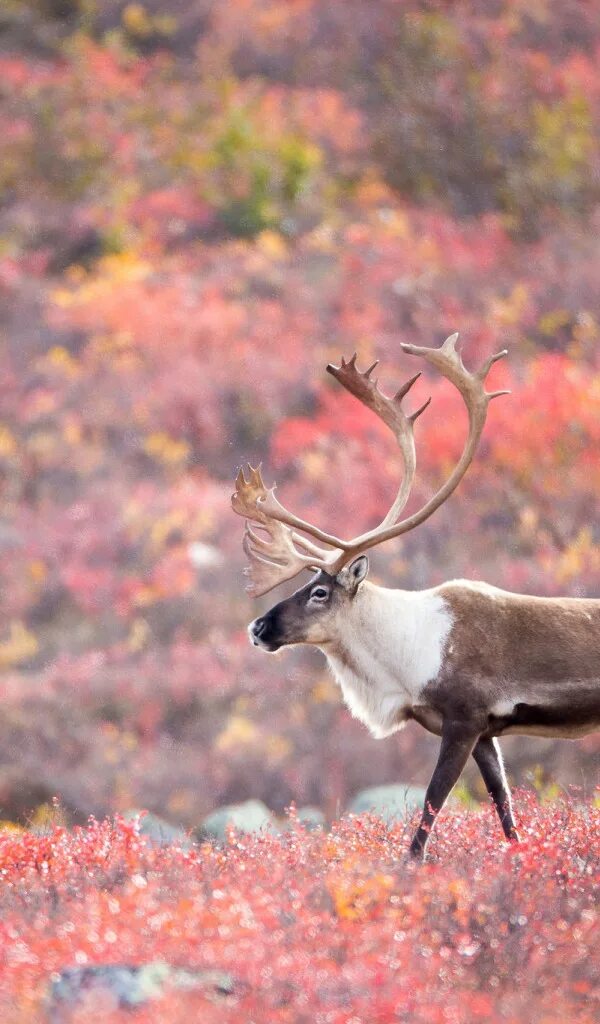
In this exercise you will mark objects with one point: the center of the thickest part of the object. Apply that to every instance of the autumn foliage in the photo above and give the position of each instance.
(315, 927)
(200, 208)
(202, 203)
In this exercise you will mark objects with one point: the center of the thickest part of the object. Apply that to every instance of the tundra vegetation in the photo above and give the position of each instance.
(306, 927)
(201, 202)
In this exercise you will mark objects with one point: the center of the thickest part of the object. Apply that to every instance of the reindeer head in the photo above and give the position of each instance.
(312, 615)
(277, 544)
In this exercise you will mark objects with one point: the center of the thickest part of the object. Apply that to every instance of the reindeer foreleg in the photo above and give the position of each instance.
(458, 741)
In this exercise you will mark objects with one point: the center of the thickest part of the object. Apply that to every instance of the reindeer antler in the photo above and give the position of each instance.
(283, 553)
(279, 554)
(390, 411)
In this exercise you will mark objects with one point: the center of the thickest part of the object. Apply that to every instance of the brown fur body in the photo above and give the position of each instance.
(467, 661)
(540, 654)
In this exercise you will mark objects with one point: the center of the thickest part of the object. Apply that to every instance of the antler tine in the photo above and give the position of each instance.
(274, 560)
(448, 361)
(405, 388)
(414, 415)
(244, 499)
(391, 413)
(278, 553)
(471, 386)
(483, 371)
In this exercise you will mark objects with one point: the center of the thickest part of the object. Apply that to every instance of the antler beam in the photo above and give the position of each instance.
(278, 552)
(471, 386)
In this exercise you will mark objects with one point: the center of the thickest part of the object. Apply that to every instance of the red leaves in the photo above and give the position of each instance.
(312, 926)
(148, 353)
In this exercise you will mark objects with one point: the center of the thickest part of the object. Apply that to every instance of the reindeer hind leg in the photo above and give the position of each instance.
(488, 756)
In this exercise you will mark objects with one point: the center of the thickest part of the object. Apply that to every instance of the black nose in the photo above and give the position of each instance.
(259, 627)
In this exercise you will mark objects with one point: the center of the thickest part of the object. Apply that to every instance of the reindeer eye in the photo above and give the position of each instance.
(319, 593)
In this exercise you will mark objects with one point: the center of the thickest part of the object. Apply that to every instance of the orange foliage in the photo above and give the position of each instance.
(194, 223)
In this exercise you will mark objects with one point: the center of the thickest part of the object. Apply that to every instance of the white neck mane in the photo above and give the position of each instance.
(392, 646)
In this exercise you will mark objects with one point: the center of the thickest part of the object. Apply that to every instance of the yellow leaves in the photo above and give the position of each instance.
(563, 136)
(115, 269)
(554, 321)
(580, 557)
(356, 898)
(136, 20)
(299, 158)
(457, 888)
(42, 444)
(239, 732)
(321, 239)
(315, 466)
(277, 748)
(435, 32)
(59, 360)
(37, 570)
(125, 266)
(139, 635)
(272, 245)
(585, 334)
(19, 647)
(8, 443)
(546, 791)
(397, 224)
(129, 740)
(509, 311)
(119, 743)
(181, 802)
(166, 449)
(147, 595)
(72, 432)
(428, 251)
(460, 894)
(11, 826)
(241, 735)
(120, 351)
(115, 343)
(372, 191)
(48, 816)
(325, 692)
(462, 795)
(528, 522)
(63, 298)
(166, 525)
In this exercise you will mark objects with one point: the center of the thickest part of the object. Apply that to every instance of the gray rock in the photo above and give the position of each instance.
(391, 803)
(251, 816)
(129, 987)
(312, 818)
(158, 831)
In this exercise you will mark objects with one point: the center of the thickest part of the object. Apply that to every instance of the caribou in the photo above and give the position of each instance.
(466, 660)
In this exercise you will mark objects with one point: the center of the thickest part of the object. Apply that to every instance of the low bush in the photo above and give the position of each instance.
(321, 928)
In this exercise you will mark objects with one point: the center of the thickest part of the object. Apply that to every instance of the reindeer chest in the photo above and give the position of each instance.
(386, 662)
(373, 698)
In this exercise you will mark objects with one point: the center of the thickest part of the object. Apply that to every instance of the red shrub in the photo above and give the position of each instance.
(319, 927)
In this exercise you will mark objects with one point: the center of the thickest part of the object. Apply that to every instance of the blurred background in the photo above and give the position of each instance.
(202, 203)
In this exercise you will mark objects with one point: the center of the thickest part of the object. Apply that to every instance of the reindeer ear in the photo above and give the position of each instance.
(351, 575)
